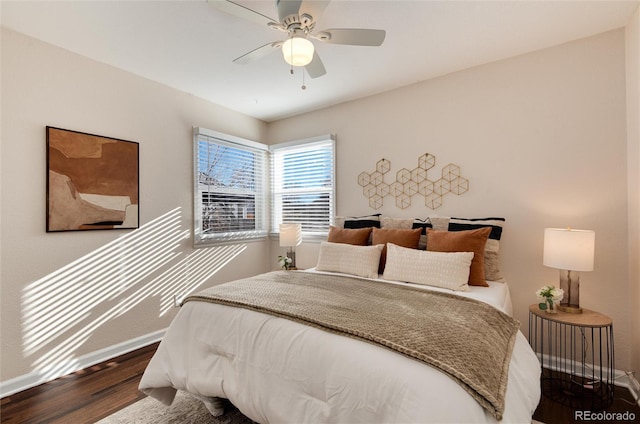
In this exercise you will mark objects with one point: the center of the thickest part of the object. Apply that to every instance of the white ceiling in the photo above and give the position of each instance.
(190, 45)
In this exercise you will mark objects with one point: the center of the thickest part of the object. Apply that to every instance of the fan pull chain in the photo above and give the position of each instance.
(304, 86)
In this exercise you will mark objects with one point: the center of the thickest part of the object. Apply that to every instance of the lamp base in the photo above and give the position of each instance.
(570, 283)
(291, 254)
(572, 309)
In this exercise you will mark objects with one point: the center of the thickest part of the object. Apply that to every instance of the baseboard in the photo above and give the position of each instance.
(36, 377)
(628, 380)
(634, 387)
(620, 378)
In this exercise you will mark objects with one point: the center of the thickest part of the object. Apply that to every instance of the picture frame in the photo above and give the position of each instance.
(92, 182)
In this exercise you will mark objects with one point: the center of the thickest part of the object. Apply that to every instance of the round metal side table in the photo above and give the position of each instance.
(577, 357)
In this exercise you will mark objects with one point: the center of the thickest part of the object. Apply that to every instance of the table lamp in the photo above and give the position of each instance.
(291, 236)
(570, 251)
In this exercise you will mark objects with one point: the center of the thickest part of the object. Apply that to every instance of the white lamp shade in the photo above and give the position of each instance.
(569, 249)
(290, 235)
(298, 51)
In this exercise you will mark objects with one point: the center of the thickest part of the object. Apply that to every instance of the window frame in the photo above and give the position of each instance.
(276, 214)
(262, 196)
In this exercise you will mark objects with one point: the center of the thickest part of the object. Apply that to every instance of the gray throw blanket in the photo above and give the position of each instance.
(467, 339)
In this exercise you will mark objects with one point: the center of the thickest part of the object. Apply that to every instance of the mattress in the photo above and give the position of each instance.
(277, 370)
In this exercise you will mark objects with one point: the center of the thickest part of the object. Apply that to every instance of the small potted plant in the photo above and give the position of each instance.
(285, 262)
(550, 295)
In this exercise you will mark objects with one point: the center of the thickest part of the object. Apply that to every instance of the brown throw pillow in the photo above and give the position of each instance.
(358, 237)
(400, 237)
(463, 241)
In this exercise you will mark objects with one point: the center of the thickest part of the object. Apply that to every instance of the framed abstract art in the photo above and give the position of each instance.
(92, 182)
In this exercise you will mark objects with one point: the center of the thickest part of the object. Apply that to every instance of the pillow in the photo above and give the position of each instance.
(359, 236)
(463, 241)
(408, 223)
(423, 224)
(357, 221)
(440, 223)
(462, 224)
(349, 259)
(439, 269)
(404, 238)
(398, 223)
(491, 252)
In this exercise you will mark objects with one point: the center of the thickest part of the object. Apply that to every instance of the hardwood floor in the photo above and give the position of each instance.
(89, 395)
(85, 396)
(551, 412)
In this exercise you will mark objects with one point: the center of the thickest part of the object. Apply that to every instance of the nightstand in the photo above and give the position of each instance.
(576, 355)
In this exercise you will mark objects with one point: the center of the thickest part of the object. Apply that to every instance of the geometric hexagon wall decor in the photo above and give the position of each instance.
(412, 182)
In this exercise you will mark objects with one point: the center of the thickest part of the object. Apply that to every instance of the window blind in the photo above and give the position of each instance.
(302, 184)
(230, 186)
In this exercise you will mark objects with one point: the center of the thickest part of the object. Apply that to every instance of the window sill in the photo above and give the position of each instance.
(230, 241)
(306, 238)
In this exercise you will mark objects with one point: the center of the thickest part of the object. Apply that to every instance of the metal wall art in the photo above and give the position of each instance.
(410, 183)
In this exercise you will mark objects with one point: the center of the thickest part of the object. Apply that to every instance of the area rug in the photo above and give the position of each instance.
(184, 409)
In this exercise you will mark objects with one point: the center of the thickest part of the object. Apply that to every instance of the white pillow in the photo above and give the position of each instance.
(396, 223)
(362, 261)
(449, 270)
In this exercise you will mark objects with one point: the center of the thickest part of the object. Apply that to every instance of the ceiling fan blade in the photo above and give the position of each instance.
(242, 12)
(287, 7)
(315, 68)
(352, 36)
(315, 8)
(258, 53)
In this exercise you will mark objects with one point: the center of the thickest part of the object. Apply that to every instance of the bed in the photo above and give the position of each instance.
(291, 368)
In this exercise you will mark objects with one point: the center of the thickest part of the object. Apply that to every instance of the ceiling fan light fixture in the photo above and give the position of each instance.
(298, 51)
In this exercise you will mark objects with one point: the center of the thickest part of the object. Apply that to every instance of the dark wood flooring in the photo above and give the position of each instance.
(554, 412)
(89, 395)
(84, 396)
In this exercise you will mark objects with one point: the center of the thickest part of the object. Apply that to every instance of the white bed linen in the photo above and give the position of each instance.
(496, 295)
(275, 371)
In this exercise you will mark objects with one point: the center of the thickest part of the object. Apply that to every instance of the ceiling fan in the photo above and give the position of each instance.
(298, 19)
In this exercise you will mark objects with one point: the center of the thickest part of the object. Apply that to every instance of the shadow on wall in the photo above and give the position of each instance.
(62, 310)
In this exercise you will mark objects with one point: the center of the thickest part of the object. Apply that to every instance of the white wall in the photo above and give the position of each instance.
(633, 135)
(541, 138)
(65, 295)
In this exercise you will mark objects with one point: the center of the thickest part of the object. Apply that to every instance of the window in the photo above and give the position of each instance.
(229, 188)
(302, 184)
